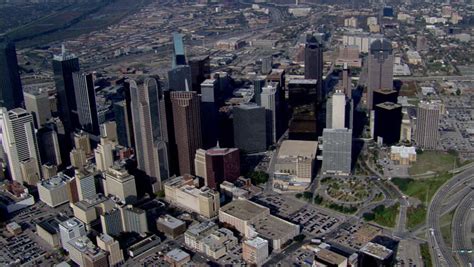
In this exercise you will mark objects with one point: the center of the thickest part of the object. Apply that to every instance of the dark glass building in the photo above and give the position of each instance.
(124, 124)
(385, 95)
(388, 122)
(200, 71)
(85, 102)
(250, 134)
(180, 78)
(11, 92)
(64, 65)
(303, 107)
(313, 64)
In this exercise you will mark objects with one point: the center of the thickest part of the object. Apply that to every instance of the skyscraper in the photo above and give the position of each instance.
(209, 112)
(179, 57)
(37, 103)
(150, 131)
(337, 151)
(63, 67)
(269, 100)
(187, 128)
(48, 144)
(313, 64)
(20, 144)
(11, 92)
(427, 123)
(124, 124)
(180, 78)
(336, 111)
(200, 71)
(250, 134)
(388, 122)
(346, 81)
(384, 95)
(217, 165)
(380, 68)
(258, 84)
(302, 104)
(85, 102)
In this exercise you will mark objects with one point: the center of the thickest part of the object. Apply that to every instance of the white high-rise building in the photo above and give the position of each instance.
(69, 230)
(120, 183)
(104, 158)
(336, 111)
(269, 100)
(37, 102)
(20, 143)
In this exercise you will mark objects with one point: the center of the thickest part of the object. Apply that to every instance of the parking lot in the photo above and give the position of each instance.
(21, 249)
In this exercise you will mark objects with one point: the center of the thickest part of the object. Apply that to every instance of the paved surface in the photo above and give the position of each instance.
(441, 254)
(461, 229)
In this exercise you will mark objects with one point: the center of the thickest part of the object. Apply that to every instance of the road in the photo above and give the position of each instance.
(461, 229)
(441, 254)
(436, 78)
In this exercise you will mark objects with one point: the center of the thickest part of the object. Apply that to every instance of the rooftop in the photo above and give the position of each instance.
(170, 221)
(51, 225)
(329, 257)
(294, 148)
(403, 151)
(177, 255)
(71, 223)
(375, 250)
(271, 227)
(257, 242)
(303, 81)
(243, 209)
(199, 228)
(389, 105)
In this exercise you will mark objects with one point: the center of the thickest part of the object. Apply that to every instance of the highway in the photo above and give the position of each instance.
(461, 229)
(436, 78)
(441, 254)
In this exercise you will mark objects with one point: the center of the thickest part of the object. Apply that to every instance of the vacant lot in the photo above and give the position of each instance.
(433, 161)
(422, 189)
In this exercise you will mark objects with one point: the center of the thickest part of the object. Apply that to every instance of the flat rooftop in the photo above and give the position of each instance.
(294, 148)
(257, 242)
(243, 209)
(51, 225)
(271, 227)
(375, 250)
(329, 257)
(303, 81)
(170, 221)
(177, 255)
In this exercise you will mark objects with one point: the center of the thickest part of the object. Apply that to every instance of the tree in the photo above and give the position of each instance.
(307, 195)
(258, 177)
(160, 194)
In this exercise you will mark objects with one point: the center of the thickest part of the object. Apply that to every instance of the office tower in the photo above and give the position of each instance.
(63, 67)
(167, 108)
(20, 142)
(407, 128)
(380, 68)
(217, 165)
(255, 251)
(49, 147)
(250, 134)
(85, 102)
(387, 122)
(29, 171)
(313, 64)
(104, 157)
(150, 131)
(200, 71)
(78, 158)
(336, 111)
(179, 57)
(82, 141)
(11, 92)
(124, 124)
(187, 128)
(111, 222)
(337, 151)
(302, 105)
(84, 253)
(108, 130)
(267, 65)
(107, 243)
(270, 101)
(258, 84)
(180, 78)
(49, 170)
(85, 183)
(119, 183)
(427, 124)
(134, 219)
(209, 112)
(71, 229)
(346, 81)
(384, 95)
(37, 103)
(54, 191)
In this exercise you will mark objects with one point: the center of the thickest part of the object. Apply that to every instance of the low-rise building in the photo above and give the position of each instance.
(71, 229)
(218, 243)
(84, 253)
(48, 230)
(14, 197)
(54, 191)
(195, 233)
(88, 210)
(252, 219)
(182, 192)
(148, 244)
(14, 228)
(170, 226)
(403, 155)
(177, 258)
(325, 258)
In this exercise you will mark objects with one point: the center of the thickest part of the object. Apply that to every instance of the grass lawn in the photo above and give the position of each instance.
(416, 216)
(385, 216)
(433, 161)
(425, 254)
(422, 189)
